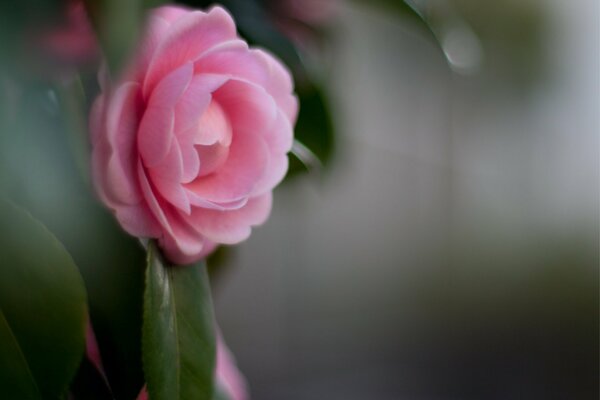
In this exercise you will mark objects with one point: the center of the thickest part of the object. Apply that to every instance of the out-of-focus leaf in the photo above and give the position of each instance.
(17, 21)
(42, 309)
(117, 24)
(314, 128)
(179, 334)
(408, 10)
(38, 171)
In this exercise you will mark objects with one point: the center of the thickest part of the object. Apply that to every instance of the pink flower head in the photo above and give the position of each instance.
(189, 143)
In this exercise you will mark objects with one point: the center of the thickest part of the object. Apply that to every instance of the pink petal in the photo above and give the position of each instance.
(280, 137)
(213, 127)
(194, 100)
(274, 174)
(248, 157)
(191, 163)
(257, 66)
(152, 200)
(138, 220)
(156, 129)
(172, 192)
(280, 84)
(92, 351)
(251, 110)
(122, 121)
(171, 13)
(198, 201)
(171, 167)
(185, 244)
(230, 227)
(211, 158)
(235, 59)
(180, 243)
(188, 37)
(229, 376)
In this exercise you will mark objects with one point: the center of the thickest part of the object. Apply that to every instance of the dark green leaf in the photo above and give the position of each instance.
(178, 336)
(117, 24)
(42, 309)
(314, 128)
(38, 171)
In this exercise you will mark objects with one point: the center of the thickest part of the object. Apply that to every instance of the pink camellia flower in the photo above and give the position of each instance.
(190, 141)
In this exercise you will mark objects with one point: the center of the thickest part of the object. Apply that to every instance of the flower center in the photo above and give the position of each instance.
(213, 139)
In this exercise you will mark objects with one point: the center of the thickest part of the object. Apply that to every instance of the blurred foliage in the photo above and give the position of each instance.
(512, 35)
(118, 24)
(509, 33)
(39, 172)
(43, 309)
(17, 19)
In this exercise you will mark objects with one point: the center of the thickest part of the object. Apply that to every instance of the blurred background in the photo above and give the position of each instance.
(438, 234)
(450, 249)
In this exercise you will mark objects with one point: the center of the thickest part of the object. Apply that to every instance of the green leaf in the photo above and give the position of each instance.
(43, 309)
(38, 171)
(178, 337)
(117, 24)
(314, 128)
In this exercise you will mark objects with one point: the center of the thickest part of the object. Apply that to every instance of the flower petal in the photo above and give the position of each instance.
(230, 227)
(121, 126)
(248, 158)
(156, 129)
(188, 37)
(195, 100)
(138, 221)
(250, 109)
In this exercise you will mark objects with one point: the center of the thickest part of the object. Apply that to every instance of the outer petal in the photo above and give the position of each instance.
(121, 126)
(189, 36)
(171, 13)
(257, 66)
(184, 245)
(138, 221)
(230, 227)
(156, 129)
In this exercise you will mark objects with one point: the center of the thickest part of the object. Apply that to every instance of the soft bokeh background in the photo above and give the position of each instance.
(451, 251)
